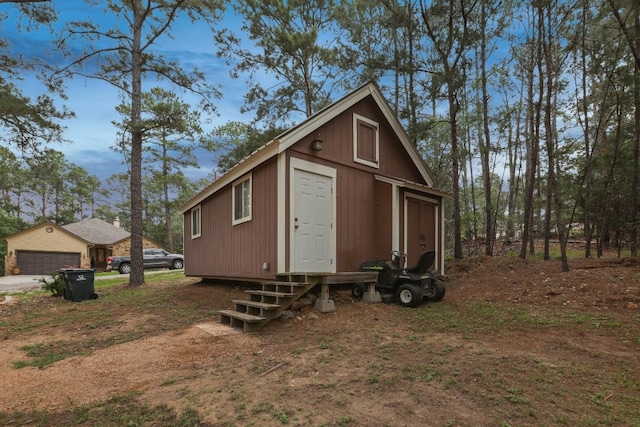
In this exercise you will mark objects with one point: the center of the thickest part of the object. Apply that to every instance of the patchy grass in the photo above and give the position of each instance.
(512, 344)
(159, 299)
(117, 412)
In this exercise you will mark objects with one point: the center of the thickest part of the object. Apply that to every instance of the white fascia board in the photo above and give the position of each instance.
(281, 144)
(412, 186)
(323, 116)
(245, 166)
(289, 138)
(402, 135)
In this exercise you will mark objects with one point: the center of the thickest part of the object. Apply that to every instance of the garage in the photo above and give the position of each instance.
(46, 248)
(37, 262)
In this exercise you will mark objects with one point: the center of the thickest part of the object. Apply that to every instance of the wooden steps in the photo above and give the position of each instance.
(244, 321)
(264, 304)
(272, 295)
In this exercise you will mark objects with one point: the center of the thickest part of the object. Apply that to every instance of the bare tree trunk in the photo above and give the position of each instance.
(413, 108)
(485, 146)
(632, 35)
(515, 166)
(472, 224)
(636, 160)
(451, 50)
(588, 227)
(533, 113)
(603, 223)
(455, 166)
(167, 201)
(137, 270)
(552, 66)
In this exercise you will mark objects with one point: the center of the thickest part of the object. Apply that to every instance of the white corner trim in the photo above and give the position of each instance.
(281, 222)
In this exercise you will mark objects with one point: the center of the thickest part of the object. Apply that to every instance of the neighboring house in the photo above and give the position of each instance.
(343, 187)
(47, 247)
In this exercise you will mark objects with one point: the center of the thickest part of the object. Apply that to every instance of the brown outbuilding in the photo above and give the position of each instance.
(343, 187)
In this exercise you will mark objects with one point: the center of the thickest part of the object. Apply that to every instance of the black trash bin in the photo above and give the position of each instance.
(65, 284)
(78, 284)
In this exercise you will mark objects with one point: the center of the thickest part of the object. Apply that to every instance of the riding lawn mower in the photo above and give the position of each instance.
(410, 285)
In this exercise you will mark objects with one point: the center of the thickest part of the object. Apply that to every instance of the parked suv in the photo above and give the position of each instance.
(152, 258)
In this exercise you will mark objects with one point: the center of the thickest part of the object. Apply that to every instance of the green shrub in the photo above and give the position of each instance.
(53, 284)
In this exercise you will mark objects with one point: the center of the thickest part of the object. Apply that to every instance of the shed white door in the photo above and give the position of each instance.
(312, 222)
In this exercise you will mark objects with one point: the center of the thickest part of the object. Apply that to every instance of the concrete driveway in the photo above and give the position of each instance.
(24, 282)
(19, 283)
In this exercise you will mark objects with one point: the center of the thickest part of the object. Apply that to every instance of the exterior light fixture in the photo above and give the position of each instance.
(316, 144)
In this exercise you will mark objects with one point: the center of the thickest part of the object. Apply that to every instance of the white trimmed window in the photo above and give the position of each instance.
(196, 224)
(242, 200)
(366, 141)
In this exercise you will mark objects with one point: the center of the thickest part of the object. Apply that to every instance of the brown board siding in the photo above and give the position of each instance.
(394, 160)
(356, 239)
(420, 228)
(364, 197)
(338, 149)
(383, 220)
(241, 249)
(364, 211)
(363, 216)
(422, 232)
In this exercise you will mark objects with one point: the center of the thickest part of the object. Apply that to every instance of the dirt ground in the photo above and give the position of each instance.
(514, 342)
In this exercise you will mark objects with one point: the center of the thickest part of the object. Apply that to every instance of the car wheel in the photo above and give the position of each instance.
(435, 292)
(177, 264)
(409, 295)
(125, 268)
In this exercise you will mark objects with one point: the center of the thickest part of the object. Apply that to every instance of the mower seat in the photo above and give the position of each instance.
(423, 264)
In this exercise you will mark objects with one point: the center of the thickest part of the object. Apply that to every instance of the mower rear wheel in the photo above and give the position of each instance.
(436, 291)
(409, 295)
(358, 290)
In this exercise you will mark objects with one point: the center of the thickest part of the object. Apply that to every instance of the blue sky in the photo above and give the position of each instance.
(91, 133)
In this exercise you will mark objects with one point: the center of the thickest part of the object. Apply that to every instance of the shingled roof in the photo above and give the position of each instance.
(97, 231)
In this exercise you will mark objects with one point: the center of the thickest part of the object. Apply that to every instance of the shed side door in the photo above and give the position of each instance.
(312, 211)
(421, 230)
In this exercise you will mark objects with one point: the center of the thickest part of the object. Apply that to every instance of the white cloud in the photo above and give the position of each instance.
(91, 133)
